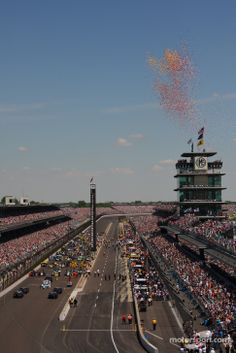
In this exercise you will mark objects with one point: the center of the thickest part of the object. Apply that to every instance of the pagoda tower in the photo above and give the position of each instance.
(199, 184)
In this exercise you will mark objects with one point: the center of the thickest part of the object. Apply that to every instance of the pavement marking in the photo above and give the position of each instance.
(112, 309)
(176, 317)
(95, 330)
(150, 333)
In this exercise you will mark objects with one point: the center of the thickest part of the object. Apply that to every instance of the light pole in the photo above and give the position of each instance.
(93, 238)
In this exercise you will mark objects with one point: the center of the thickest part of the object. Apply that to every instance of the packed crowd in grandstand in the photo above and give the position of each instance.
(10, 220)
(216, 231)
(231, 270)
(27, 245)
(212, 230)
(217, 300)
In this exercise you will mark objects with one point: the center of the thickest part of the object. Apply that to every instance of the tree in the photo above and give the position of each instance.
(82, 203)
(138, 202)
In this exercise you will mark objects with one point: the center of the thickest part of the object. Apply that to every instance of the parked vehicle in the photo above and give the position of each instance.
(46, 284)
(142, 306)
(52, 295)
(25, 290)
(18, 294)
(49, 278)
(58, 290)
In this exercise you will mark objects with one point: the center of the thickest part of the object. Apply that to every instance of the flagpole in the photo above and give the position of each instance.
(190, 142)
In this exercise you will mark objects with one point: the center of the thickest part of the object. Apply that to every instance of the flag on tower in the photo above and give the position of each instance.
(200, 137)
(201, 131)
(200, 142)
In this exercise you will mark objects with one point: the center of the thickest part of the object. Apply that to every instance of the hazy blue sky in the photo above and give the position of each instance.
(77, 98)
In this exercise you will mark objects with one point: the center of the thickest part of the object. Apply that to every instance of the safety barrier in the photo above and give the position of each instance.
(145, 343)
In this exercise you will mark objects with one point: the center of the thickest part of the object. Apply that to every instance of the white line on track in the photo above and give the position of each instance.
(176, 317)
(150, 333)
(112, 310)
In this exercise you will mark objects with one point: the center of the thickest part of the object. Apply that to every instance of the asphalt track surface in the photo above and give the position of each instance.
(31, 325)
(167, 327)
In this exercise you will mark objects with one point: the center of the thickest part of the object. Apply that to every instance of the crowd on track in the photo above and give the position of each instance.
(146, 282)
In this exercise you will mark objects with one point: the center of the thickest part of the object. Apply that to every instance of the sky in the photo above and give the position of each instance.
(77, 96)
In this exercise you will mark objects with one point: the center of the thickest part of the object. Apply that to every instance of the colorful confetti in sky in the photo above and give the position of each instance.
(173, 83)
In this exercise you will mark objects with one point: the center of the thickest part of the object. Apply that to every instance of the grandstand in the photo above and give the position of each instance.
(16, 221)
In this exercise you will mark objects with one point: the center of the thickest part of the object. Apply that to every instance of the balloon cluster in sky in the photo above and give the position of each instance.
(174, 74)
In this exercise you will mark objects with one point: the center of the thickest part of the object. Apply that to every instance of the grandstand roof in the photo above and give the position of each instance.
(196, 154)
